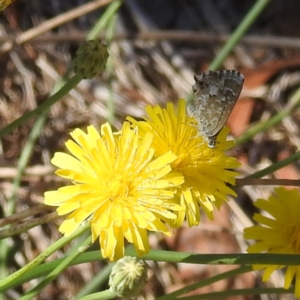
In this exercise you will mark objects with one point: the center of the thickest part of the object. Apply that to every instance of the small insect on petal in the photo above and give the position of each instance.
(216, 94)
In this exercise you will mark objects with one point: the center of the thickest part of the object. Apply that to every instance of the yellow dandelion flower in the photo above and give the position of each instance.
(118, 186)
(278, 233)
(5, 3)
(206, 171)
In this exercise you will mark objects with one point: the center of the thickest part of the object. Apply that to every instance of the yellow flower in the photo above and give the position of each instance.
(118, 186)
(206, 171)
(279, 232)
(5, 3)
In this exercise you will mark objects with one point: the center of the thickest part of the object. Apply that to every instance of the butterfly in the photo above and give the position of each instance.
(215, 96)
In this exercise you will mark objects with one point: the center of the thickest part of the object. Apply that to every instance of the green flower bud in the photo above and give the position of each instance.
(91, 58)
(128, 276)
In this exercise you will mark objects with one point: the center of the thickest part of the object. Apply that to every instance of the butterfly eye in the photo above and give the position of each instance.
(199, 80)
(201, 83)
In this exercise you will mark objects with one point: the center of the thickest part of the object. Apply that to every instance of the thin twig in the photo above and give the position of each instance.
(168, 35)
(24, 227)
(20, 216)
(257, 181)
(53, 23)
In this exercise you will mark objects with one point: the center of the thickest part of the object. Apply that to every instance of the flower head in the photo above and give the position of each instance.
(278, 233)
(91, 58)
(118, 186)
(128, 276)
(206, 171)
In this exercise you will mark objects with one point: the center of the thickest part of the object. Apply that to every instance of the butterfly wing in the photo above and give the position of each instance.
(216, 94)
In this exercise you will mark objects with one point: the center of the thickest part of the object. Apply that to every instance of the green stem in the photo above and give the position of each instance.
(110, 32)
(228, 294)
(22, 163)
(291, 107)
(235, 37)
(238, 33)
(98, 280)
(217, 259)
(26, 153)
(63, 265)
(105, 295)
(276, 166)
(167, 256)
(105, 19)
(60, 90)
(206, 282)
(4, 283)
(70, 84)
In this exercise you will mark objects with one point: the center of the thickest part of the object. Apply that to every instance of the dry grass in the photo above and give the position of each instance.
(146, 69)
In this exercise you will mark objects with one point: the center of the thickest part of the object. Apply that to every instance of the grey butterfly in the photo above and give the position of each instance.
(216, 94)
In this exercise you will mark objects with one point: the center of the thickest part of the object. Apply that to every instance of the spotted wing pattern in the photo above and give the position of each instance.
(216, 94)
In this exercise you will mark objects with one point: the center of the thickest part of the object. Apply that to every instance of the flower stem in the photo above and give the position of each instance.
(206, 282)
(63, 265)
(237, 35)
(294, 103)
(70, 84)
(276, 166)
(105, 295)
(39, 259)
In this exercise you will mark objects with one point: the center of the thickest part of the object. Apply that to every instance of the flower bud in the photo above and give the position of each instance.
(128, 276)
(90, 59)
